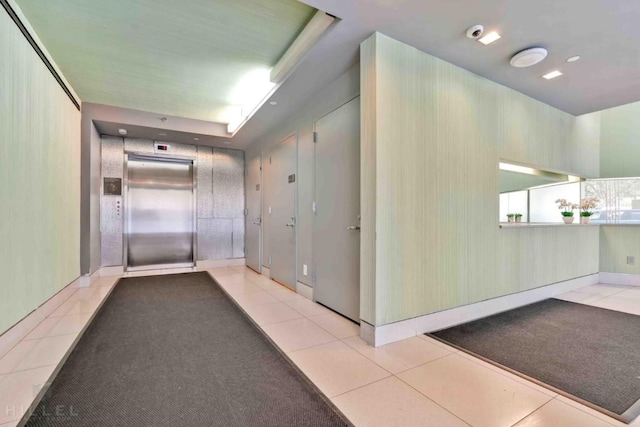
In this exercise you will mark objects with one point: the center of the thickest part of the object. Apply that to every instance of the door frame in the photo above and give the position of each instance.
(261, 210)
(295, 201)
(315, 194)
(125, 207)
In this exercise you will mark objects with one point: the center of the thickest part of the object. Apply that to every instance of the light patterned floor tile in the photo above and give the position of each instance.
(17, 391)
(283, 294)
(478, 395)
(582, 298)
(602, 289)
(15, 356)
(438, 343)
(54, 326)
(46, 351)
(297, 334)
(392, 403)
(508, 374)
(265, 283)
(221, 271)
(556, 413)
(307, 308)
(597, 414)
(617, 303)
(268, 314)
(335, 368)
(254, 298)
(399, 356)
(238, 285)
(336, 325)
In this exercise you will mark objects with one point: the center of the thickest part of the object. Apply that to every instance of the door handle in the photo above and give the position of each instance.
(353, 227)
(292, 223)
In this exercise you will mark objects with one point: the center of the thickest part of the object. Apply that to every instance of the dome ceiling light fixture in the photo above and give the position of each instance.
(528, 57)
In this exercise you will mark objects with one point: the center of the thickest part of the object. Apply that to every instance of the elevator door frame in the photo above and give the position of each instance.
(125, 194)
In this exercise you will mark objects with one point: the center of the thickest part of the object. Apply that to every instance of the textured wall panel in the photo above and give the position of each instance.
(205, 182)
(437, 148)
(147, 146)
(617, 242)
(228, 183)
(214, 239)
(39, 180)
(238, 238)
(111, 222)
(620, 154)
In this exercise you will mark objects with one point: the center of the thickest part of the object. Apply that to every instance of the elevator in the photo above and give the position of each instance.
(159, 226)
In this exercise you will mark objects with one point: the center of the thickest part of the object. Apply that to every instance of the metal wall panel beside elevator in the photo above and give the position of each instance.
(219, 197)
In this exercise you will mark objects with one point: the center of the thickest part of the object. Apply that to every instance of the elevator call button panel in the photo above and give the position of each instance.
(112, 187)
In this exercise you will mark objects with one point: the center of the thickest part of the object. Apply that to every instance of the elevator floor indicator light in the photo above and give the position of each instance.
(161, 147)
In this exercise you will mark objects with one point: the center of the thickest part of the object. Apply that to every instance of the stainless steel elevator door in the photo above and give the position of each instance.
(159, 213)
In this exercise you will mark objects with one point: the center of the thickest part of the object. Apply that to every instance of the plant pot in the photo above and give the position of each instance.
(510, 219)
(567, 219)
(518, 219)
(585, 219)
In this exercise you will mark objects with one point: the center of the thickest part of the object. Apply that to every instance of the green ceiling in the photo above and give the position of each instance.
(182, 58)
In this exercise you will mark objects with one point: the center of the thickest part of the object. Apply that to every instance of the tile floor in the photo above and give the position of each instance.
(414, 382)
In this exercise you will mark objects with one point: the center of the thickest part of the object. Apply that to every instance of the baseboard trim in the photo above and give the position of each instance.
(88, 279)
(217, 263)
(116, 270)
(304, 290)
(385, 334)
(620, 279)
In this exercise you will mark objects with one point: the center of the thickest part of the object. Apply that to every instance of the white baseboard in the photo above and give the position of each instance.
(266, 272)
(620, 279)
(304, 290)
(385, 334)
(17, 332)
(88, 279)
(217, 263)
(116, 270)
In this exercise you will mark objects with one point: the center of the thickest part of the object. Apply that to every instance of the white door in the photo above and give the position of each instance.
(253, 217)
(280, 167)
(336, 231)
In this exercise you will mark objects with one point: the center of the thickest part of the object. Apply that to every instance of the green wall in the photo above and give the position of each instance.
(432, 137)
(620, 141)
(39, 180)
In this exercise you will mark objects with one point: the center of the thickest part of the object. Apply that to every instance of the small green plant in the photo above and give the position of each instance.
(510, 217)
(518, 215)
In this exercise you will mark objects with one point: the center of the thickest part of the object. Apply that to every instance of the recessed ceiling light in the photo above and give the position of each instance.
(528, 57)
(196, 139)
(489, 38)
(552, 75)
(226, 142)
(162, 134)
(573, 58)
(273, 103)
(122, 131)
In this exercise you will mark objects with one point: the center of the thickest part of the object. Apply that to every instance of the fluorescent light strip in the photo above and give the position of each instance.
(288, 62)
(489, 38)
(552, 75)
(301, 45)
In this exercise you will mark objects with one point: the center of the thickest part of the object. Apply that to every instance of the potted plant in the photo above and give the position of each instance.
(586, 209)
(518, 217)
(567, 209)
(510, 217)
